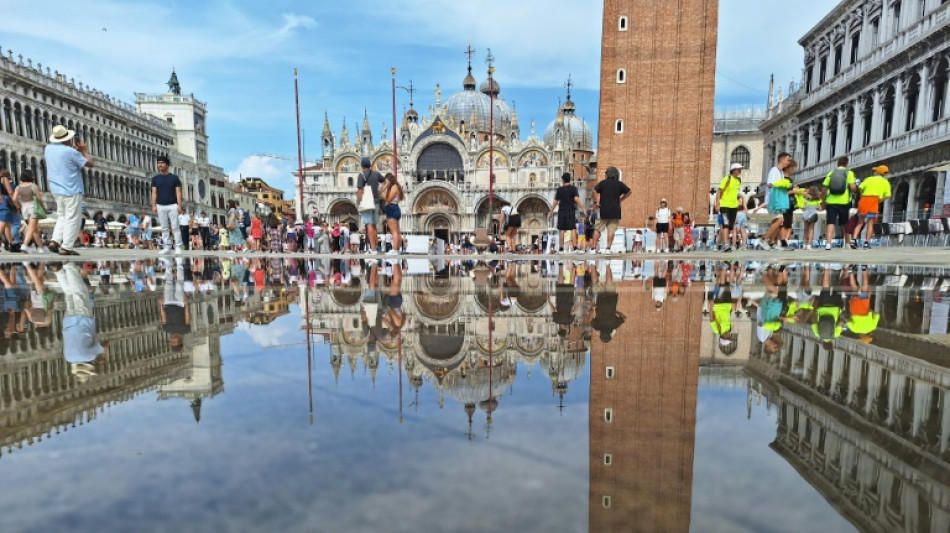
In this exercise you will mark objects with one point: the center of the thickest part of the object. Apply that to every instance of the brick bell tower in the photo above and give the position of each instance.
(657, 79)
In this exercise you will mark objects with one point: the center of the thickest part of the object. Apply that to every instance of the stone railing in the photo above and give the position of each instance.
(900, 42)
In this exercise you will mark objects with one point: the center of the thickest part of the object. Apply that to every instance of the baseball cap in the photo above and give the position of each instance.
(881, 169)
(365, 162)
(736, 166)
(663, 201)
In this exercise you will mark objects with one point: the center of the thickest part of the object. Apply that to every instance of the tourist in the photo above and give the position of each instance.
(224, 243)
(607, 319)
(235, 235)
(195, 231)
(167, 204)
(812, 205)
(780, 204)
(828, 320)
(776, 173)
(256, 234)
(273, 231)
(173, 308)
(727, 204)
(608, 195)
(510, 221)
(567, 197)
(28, 195)
(147, 229)
(679, 221)
(64, 163)
(134, 228)
(720, 312)
(741, 238)
(581, 230)
(369, 212)
(311, 230)
(874, 191)
(204, 229)
(662, 218)
(638, 241)
(838, 184)
(185, 223)
(81, 349)
(392, 193)
(101, 228)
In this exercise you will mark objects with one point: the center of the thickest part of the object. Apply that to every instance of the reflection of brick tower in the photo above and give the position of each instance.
(658, 65)
(643, 415)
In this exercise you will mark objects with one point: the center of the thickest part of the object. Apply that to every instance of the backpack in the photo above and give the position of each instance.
(246, 219)
(839, 181)
(678, 220)
(826, 327)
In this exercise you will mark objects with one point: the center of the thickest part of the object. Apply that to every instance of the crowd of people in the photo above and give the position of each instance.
(579, 227)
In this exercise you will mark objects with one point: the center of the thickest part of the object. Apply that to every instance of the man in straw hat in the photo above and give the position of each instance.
(65, 159)
(874, 190)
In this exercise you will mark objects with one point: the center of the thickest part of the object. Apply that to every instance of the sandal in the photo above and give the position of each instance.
(64, 251)
(53, 246)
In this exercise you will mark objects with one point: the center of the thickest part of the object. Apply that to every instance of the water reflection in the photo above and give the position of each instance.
(853, 359)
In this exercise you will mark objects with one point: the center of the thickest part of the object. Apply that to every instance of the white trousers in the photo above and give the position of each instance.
(68, 219)
(168, 220)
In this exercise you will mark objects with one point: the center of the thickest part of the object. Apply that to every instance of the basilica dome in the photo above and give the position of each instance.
(462, 105)
(572, 127)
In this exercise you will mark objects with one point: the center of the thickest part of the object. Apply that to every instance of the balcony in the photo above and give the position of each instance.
(907, 38)
(915, 139)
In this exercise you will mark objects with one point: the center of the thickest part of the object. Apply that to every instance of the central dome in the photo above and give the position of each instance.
(572, 128)
(462, 105)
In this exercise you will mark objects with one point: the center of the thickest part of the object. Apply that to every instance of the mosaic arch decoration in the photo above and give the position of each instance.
(501, 160)
(436, 200)
(348, 164)
(383, 164)
(532, 159)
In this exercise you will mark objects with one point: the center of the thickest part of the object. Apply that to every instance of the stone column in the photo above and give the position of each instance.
(939, 207)
(914, 183)
(900, 106)
(877, 117)
(812, 145)
(826, 142)
(840, 144)
(857, 125)
(923, 97)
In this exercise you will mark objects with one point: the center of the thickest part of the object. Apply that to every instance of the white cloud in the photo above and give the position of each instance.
(269, 336)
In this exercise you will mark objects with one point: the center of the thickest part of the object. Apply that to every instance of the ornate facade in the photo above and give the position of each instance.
(123, 140)
(443, 163)
(874, 88)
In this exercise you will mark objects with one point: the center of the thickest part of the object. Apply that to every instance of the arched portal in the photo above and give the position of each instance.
(927, 193)
(343, 211)
(484, 219)
(900, 202)
(440, 161)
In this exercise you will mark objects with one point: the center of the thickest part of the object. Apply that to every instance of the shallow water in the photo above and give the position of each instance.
(290, 395)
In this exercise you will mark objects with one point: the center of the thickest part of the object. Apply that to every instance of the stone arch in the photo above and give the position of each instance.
(435, 199)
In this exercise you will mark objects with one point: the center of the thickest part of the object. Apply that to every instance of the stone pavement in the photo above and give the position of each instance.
(908, 255)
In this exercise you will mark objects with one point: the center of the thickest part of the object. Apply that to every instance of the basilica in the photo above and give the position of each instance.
(444, 161)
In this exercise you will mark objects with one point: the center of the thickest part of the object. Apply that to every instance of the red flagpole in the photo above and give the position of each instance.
(395, 158)
(299, 149)
(491, 148)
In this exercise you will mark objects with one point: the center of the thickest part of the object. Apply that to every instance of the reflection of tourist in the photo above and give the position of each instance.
(828, 319)
(173, 305)
(607, 319)
(80, 348)
(394, 318)
(563, 306)
(862, 321)
(720, 313)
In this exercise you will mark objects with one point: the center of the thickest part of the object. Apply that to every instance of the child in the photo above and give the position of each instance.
(223, 242)
(638, 241)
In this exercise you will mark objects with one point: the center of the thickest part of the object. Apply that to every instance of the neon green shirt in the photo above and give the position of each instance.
(843, 198)
(875, 186)
(722, 317)
(862, 325)
(730, 191)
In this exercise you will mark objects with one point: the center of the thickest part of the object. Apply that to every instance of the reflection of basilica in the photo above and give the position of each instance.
(40, 397)
(444, 163)
(447, 342)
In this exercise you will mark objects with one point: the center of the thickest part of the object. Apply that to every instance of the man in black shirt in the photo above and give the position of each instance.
(167, 204)
(566, 197)
(173, 305)
(607, 319)
(608, 194)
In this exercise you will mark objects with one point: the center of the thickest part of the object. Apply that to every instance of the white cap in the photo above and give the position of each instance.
(736, 166)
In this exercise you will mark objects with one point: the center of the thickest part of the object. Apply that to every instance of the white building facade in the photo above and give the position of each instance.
(443, 164)
(874, 88)
(123, 140)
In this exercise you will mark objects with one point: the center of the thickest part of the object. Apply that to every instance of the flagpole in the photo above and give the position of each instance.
(395, 155)
(299, 149)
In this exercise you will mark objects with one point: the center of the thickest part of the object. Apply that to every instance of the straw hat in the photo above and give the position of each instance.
(61, 134)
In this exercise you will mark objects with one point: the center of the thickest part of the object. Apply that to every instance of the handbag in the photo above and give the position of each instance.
(38, 212)
(367, 203)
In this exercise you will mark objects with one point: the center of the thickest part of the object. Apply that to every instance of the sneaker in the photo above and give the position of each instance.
(392, 252)
(867, 246)
(808, 247)
(765, 246)
(373, 252)
(727, 249)
(828, 246)
(177, 251)
(853, 245)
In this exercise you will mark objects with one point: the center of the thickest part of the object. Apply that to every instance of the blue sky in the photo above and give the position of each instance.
(239, 56)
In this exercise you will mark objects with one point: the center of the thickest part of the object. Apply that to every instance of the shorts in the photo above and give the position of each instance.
(679, 233)
(810, 214)
(393, 212)
(610, 224)
(514, 221)
(728, 217)
(722, 294)
(566, 221)
(787, 217)
(370, 217)
(101, 235)
(860, 305)
(134, 232)
(837, 214)
(6, 213)
(868, 207)
(662, 227)
(26, 210)
(742, 220)
(394, 301)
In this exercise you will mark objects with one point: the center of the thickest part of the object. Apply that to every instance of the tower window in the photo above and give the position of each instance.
(608, 459)
(608, 414)
(622, 24)
(621, 75)
(618, 126)
(606, 502)
(610, 372)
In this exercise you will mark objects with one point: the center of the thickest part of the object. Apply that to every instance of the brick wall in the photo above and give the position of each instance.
(669, 54)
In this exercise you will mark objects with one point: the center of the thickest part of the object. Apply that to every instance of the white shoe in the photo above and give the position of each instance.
(392, 252)
(177, 251)
(808, 247)
(828, 246)
(765, 246)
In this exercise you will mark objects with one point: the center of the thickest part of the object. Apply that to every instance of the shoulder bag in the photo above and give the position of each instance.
(38, 212)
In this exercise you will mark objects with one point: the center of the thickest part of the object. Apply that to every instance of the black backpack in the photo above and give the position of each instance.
(839, 181)
(826, 327)
(247, 219)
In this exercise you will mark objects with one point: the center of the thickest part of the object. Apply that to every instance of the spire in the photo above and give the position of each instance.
(326, 124)
(771, 90)
(173, 85)
(365, 121)
(196, 409)
(469, 82)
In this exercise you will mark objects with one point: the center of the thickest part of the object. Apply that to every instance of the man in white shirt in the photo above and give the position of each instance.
(204, 227)
(776, 173)
(662, 226)
(184, 226)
